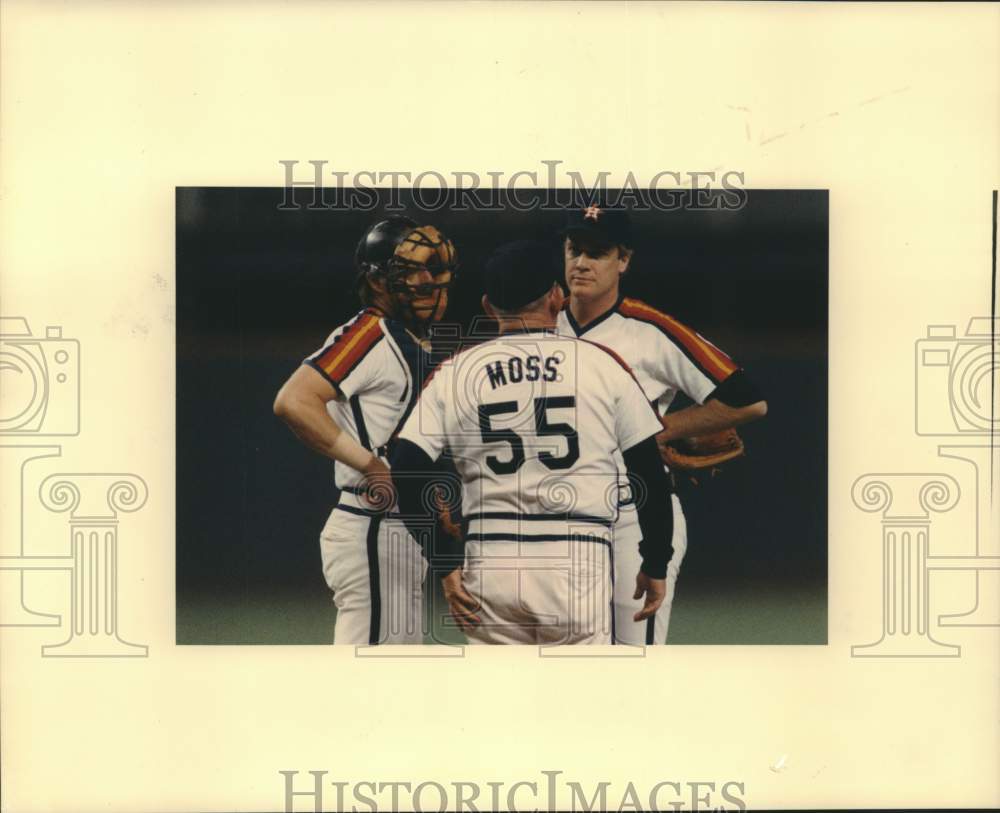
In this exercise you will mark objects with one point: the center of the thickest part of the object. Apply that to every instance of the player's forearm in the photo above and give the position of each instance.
(307, 417)
(712, 416)
(656, 517)
(413, 476)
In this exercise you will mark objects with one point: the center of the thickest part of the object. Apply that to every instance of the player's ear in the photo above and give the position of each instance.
(379, 296)
(488, 308)
(624, 257)
(556, 299)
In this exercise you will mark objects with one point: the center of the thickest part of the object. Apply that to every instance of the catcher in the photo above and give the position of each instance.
(666, 357)
(347, 401)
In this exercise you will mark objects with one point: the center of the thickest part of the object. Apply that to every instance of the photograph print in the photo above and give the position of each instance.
(561, 416)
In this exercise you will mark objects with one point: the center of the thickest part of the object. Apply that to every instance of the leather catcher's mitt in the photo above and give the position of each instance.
(701, 456)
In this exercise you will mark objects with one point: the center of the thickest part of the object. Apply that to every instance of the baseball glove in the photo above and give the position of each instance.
(700, 457)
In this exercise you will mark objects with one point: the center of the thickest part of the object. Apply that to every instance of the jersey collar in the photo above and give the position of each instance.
(579, 331)
(523, 329)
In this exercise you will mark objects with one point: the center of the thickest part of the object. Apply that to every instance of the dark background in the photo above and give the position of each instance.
(259, 288)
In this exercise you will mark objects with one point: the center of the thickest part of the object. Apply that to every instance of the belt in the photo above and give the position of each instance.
(351, 495)
(358, 492)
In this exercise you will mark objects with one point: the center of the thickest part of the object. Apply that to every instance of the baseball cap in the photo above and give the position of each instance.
(608, 226)
(518, 273)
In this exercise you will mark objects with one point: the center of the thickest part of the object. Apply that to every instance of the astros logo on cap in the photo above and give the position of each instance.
(591, 213)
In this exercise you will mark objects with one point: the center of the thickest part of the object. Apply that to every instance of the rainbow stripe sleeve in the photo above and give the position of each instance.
(341, 357)
(705, 355)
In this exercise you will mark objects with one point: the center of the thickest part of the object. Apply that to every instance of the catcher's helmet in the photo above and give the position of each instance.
(393, 248)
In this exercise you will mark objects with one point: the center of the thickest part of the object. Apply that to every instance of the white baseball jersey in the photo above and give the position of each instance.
(370, 562)
(666, 356)
(377, 366)
(532, 421)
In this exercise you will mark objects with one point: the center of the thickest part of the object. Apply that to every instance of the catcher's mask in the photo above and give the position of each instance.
(395, 248)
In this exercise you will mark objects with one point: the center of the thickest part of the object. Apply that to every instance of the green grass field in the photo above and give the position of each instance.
(701, 615)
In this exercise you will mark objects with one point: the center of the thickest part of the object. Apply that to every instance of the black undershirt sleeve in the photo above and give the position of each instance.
(651, 486)
(737, 391)
(414, 475)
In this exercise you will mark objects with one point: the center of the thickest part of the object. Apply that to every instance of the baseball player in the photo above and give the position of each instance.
(667, 357)
(532, 422)
(347, 401)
